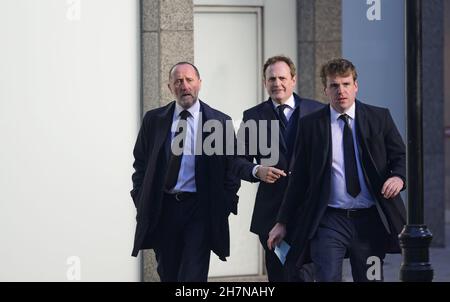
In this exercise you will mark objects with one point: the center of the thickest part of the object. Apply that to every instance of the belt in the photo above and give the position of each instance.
(182, 196)
(352, 213)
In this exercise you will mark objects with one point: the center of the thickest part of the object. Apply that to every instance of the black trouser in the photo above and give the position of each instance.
(289, 272)
(275, 272)
(183, 252)
(359, 234)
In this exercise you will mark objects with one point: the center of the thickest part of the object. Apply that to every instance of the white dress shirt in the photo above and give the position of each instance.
(287, 110)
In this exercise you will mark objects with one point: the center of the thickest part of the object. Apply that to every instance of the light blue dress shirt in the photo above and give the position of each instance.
(186, 176)
(339, 198)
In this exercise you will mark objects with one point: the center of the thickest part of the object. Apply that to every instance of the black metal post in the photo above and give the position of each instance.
(415, 238)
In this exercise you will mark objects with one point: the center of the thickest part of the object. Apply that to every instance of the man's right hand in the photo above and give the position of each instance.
(269, 174)
(276, 235)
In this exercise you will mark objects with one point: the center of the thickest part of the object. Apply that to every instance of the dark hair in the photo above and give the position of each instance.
(184, 63)
(280, 58)
(337, 67)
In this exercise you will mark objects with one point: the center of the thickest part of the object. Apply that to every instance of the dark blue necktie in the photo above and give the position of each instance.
(283, 121)
(282, 116)
(351, 172)
(175, 160)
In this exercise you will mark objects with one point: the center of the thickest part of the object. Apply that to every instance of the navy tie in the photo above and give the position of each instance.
(351, 171)
(282, 116)
(175, 160)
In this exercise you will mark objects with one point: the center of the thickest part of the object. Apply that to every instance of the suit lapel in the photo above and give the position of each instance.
(299, 104)
(163, 123)
(200, 160)
(324, 129)
(362, 128)
(363, 135)
(299, 111)
(205, 114)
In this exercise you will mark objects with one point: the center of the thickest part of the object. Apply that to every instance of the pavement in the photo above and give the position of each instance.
(439, 259)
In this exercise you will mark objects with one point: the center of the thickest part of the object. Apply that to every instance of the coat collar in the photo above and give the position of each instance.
(206, 111)
(361, 119)
(362, 126)
(291, 102)
(324, 136)
(166, 114)
(163, 120)
(166, 111)
(268, 111)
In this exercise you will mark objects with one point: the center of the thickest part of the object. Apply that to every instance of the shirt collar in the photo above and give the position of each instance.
(193, 110)
(335, 115)
(290, 102)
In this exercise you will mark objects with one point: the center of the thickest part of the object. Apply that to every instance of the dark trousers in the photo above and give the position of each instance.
(359, 235)
(275, 272)
(289, 272)
(183, 252)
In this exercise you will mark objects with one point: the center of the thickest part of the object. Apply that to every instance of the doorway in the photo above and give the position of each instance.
(232, 39)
